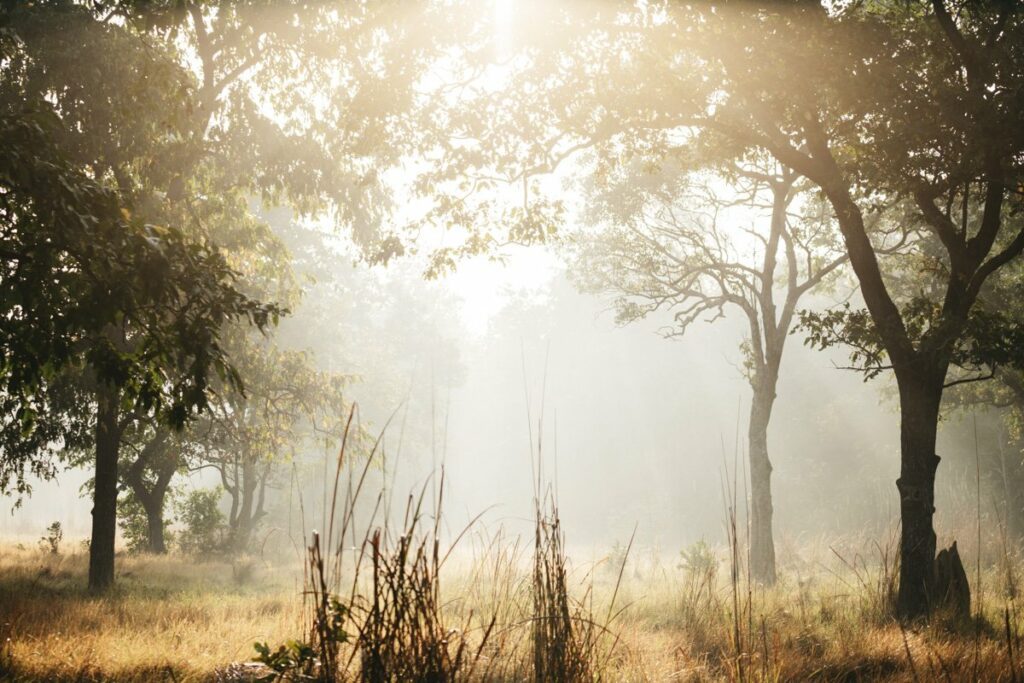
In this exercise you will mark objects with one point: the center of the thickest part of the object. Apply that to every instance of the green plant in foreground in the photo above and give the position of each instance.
(315, 660)
(294, 656)
(297, 658)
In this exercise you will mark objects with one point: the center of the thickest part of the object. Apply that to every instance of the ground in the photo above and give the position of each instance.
(177, 618)
(170, 617)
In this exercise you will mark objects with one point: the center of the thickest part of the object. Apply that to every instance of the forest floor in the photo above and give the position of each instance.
(174, 618)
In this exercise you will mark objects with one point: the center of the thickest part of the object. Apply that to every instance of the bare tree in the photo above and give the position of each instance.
(682, 248)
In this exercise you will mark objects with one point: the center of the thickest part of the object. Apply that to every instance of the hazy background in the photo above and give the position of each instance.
(637, 429)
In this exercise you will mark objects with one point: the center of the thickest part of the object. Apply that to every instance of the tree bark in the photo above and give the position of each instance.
(155, 455)
(762, 544)
(920, 398)
(244, 517)
(155, 526)
(153, 504)
(920, 375)
(104, 510)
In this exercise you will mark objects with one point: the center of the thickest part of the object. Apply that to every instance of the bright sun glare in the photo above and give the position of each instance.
(334, 340)
(502, 13)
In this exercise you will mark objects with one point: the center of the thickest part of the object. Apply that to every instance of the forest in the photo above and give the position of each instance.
(440, 341)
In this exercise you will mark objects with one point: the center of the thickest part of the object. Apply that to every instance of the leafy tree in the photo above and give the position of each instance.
(961, 174)
(118, 147)
(287, 405)
(878, 104)
(159, 453)
(131, 126)
(108, 312)
(148, 478)
(670, 241)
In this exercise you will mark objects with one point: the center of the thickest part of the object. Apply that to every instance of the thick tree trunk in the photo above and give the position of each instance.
(157, 457)
(155, 525)
(158, 497)
(920, 398)
(104, 510)
(153, 504)
(762, 544)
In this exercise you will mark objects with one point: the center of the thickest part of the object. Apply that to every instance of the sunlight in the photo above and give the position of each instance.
(485, 287)
(345, 325)
(503, 16)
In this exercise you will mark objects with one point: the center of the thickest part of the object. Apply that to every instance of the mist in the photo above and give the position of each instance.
(499, 340)
(637, 430)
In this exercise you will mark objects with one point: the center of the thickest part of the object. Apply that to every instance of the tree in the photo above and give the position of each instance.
(677, 245)
(149, 479)
(877, 104)
(263, 264)
(124, 302)
(288, 405)
(962, 181)
(111, 304)
(291, 102)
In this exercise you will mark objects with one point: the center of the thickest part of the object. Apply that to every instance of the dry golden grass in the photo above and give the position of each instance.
(176, 619)
(170, 618)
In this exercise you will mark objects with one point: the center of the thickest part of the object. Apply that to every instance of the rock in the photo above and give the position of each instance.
(949, 587)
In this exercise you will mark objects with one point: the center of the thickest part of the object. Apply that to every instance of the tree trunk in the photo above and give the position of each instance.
(243, 528)
(762, 544)
(156, 456)
(153, 503)
(104, 510)
(920, 397)
(155, 528)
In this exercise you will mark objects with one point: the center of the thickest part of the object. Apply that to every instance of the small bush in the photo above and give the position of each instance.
(243, 570)
(50, 542)
(698, 558)
(204, 530)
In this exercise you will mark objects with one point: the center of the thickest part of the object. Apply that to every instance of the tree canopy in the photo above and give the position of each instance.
(912, 105)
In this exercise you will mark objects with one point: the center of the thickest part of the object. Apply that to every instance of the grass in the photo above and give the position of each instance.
(175, 619)
(170, 618)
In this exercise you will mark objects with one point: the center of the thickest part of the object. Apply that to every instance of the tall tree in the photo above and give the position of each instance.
(289, 407)
(118, 151)
(875, 103)
(130, 308)
(677, 245)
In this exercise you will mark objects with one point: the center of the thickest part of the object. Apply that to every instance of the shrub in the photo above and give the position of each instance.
(698, 558)
(50, 542)
(203, 522)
